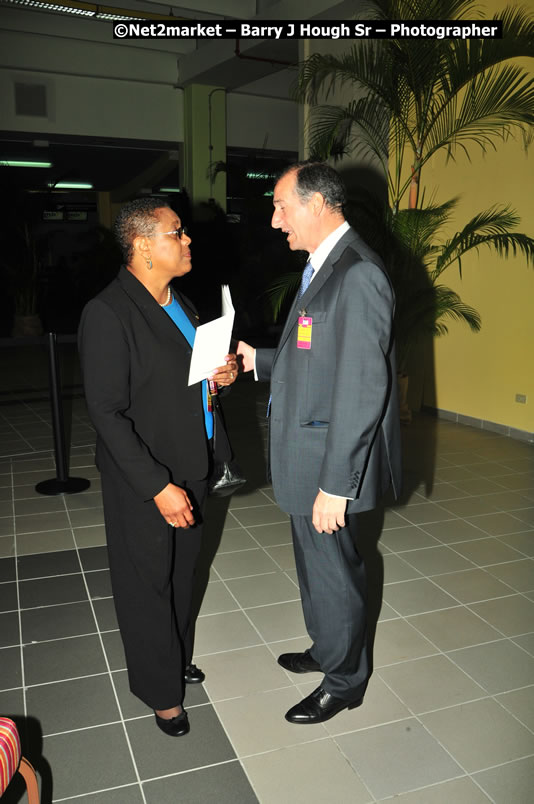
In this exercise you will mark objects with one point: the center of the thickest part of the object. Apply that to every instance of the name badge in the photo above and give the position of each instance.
(304, 332)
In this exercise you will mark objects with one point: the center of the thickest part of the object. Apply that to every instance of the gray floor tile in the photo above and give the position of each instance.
(243, 563)
(157, 755)
(416, 597)
(397, 757)
(268, 535)
(86, 516)
(91, 536)
(7, 526)
(9, 629)
(51, 591)
(118, 795)
(454, 628)
(520, 703)
(41, 565)
(513, 781)
(39, 505)
(56, 622)
(88, 499)
(408, 537)
(108, 749)
(114, 650)
(518, 574)
(45, 542)
(485, 552)
(497, 666)
(458, 791)
(222, 784)
(511, 615)
(76, 704)
(10, 669)
(8, 596)
(105, 614)
(63, 658)
(99, 583)
(34, 523)
(470, 586)
(7, 546)
(94, 558)
(7, 569)
(416, 683)
(12, 703)
(129, 703)
(260, 515)
(262, 590)
(480, 734)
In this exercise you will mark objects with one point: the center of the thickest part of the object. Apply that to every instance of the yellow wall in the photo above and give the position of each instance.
(480, 374)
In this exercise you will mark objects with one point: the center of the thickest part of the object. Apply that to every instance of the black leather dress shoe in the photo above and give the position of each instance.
(318, 707)
(193, 674)
(299, 662)
(175, 726)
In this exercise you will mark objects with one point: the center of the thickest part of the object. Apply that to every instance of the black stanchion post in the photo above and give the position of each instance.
(62, 483)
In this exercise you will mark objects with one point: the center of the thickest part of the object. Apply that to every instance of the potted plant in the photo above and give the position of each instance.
(411, 99)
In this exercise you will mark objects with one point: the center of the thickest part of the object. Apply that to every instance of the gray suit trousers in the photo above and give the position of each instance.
(333, 590)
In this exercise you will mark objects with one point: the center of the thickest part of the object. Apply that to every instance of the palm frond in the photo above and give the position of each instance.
(279, 291)
(359, 126)
(490, 228)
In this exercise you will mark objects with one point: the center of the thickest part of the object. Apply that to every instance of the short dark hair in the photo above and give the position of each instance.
(317, 177)
(136, 218)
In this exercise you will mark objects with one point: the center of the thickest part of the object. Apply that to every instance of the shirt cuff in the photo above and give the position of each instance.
(337, 496)
(255, 372)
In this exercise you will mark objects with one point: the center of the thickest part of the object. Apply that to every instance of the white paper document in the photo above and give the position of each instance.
(212, 341)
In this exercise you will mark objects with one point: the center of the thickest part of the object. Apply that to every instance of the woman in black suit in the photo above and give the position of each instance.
(153, 450)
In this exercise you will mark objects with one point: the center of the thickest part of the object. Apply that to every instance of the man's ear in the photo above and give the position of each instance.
(317, 203)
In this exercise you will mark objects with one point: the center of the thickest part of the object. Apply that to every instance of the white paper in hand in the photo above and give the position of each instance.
(212, 341)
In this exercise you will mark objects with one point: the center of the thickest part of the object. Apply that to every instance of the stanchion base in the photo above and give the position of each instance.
(72, 485)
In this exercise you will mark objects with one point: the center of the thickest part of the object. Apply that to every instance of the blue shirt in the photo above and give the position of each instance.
(175, 311)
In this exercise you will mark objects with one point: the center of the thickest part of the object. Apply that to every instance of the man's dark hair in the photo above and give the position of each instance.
(317, 177)
(136, 218)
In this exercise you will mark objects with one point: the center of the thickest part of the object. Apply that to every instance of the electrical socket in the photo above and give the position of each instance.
(521, 398)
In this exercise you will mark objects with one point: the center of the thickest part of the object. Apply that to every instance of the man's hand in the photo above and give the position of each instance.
(175, 507)
(227, 374)
(246, 353)
(328, 513)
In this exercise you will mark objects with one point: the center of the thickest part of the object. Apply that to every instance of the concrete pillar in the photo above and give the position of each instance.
(204, 144)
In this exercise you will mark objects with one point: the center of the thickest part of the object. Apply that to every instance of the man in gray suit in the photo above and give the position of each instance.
(334, 427)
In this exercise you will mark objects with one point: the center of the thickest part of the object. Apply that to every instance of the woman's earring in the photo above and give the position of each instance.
(149, 263)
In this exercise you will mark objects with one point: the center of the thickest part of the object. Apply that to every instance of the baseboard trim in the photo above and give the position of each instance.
(482, 424)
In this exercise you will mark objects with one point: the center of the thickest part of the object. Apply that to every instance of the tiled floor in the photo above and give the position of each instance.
(449, 714)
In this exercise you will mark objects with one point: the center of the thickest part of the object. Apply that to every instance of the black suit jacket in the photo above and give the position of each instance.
(135, 364)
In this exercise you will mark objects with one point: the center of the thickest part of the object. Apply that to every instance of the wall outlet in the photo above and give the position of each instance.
(521, 398)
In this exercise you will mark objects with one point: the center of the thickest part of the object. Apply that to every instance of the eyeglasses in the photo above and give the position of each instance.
(178, 233)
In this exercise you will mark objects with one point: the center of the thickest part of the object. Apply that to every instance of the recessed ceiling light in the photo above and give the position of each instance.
(24, 163)
(70, 185)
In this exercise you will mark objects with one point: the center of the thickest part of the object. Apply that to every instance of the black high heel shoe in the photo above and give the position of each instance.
(175, 726)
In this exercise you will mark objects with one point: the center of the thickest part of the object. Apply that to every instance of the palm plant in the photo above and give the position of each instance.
(420, 96)
(414, 98)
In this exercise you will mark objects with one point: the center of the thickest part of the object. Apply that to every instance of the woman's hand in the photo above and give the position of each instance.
(227, 374)
(175, 507)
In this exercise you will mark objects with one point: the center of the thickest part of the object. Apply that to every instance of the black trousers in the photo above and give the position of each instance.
(332, 583)
(152, 569)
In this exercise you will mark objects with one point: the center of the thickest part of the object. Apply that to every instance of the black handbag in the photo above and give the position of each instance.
(226, 476)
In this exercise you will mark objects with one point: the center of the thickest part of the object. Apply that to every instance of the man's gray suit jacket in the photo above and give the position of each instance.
(334, 421)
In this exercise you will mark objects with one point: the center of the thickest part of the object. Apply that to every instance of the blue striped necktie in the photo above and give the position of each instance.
(304, 285)
(305, 281)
